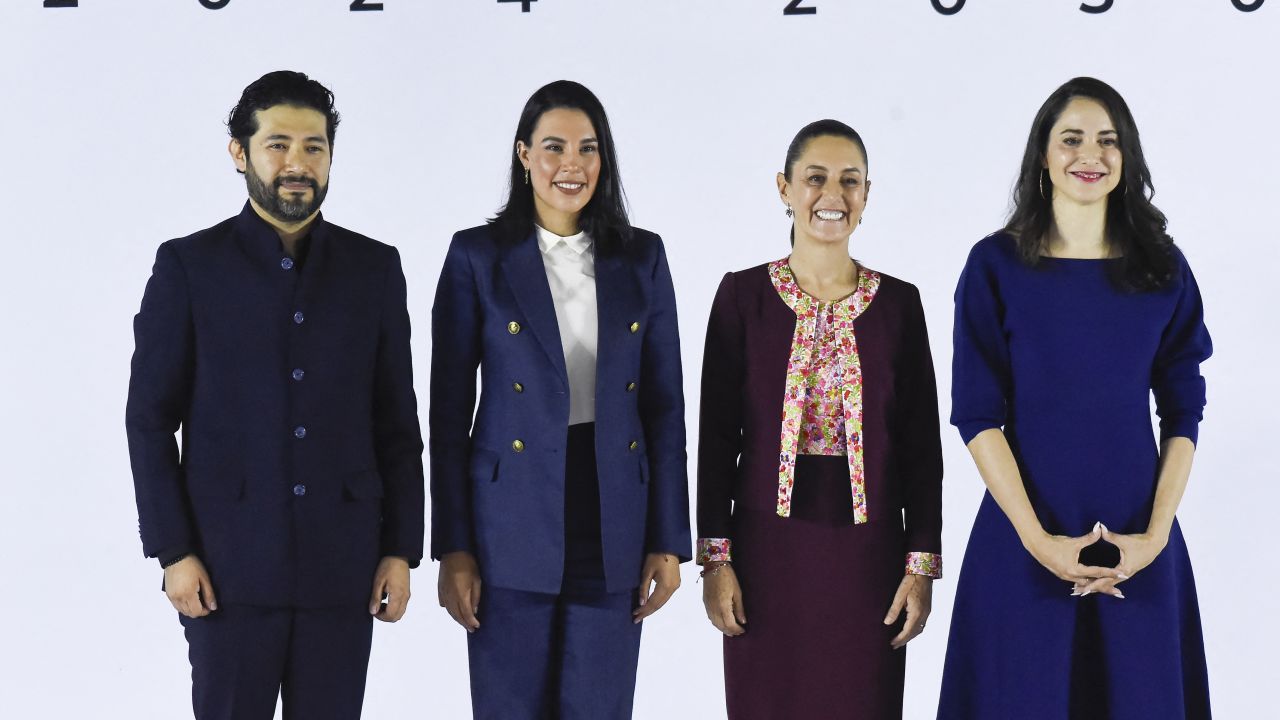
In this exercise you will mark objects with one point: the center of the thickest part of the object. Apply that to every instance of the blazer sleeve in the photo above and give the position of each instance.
(1175, 378)
(397, 434)
(662, 415)
(720, 424)
(980, 368)
(455, 357)
(159, 389)
(919, 461)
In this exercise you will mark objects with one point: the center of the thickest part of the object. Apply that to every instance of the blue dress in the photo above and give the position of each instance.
(1066, 364)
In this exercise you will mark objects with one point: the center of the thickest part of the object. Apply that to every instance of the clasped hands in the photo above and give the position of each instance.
(1060, 555)
(190, 590)
(459, 586)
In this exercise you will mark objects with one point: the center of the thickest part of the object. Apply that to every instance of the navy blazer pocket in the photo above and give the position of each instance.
(363, 485)
(215, 484)
(484, 466)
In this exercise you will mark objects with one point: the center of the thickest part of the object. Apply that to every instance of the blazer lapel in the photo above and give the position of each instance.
(527, 277)
(618, 303)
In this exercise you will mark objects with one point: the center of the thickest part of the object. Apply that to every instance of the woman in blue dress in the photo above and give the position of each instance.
(1076, 598)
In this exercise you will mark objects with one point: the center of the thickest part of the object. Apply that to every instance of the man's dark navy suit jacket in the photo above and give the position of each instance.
(292, 383)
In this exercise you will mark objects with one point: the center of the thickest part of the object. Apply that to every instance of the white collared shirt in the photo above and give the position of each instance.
(570, 263)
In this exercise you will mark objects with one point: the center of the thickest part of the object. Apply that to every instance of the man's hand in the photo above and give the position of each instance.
(390, 581)
(187, 584)
(459, 588)
(663, 571)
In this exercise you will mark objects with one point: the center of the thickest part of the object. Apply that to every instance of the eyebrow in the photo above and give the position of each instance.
(552, 138)
(824, 169)
(1074, 131)
(309, 138)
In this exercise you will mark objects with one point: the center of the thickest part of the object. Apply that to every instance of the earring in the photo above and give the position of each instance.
(859, 219)
(526, 176)
(790, 212)
(1041, 184)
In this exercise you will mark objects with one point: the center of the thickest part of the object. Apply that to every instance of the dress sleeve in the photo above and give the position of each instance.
(920, 445)
(720, 424)
(1175, 376)
(980, 377)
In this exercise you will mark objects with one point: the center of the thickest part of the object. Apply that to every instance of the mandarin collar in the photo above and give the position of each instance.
(262, 240)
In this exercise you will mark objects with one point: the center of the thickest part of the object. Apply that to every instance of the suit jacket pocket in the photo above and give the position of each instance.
(484, 466)
(363, 485)
(214, 484)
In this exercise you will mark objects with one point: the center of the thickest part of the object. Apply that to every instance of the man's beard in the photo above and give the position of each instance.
(290, 208)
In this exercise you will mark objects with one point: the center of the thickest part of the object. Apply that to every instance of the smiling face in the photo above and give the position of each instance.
(827, 190)
(1083, 153)
(286, 162)
(563, 160)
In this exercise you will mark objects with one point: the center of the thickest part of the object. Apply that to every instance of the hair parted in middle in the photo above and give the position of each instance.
(1135, 226)
(817, 129)
(604, 217)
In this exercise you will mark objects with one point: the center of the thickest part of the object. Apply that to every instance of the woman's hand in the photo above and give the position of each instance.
(915, 593)
(1060, 555)
(1136, 553)
(662, 570)
(459, 588)
(722, 596)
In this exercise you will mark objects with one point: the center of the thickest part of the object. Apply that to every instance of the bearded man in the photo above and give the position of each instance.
(278, 344)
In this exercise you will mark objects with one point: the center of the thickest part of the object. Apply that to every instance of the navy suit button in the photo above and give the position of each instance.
(299, 489)
(513, 327)
(298, 374)
(286, 263)
(298, 317)
(299, 432)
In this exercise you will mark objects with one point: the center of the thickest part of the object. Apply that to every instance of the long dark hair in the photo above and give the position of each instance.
(604, 217)
(817, 129)
(1135, 226)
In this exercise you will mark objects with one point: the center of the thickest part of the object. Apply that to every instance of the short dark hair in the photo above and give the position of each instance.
(1135, 226)
(817, 129)
(282, 87)
(604, 217)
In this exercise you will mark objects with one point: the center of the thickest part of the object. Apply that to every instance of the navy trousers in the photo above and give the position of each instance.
(565, 656)
(243, 658)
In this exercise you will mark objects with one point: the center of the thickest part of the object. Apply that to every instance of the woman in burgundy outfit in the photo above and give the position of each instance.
(819, 434)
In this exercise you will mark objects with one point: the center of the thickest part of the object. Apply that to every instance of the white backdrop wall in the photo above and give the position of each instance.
(113, 142)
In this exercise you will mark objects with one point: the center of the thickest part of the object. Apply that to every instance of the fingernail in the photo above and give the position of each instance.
(1097, 526)
(1120, 595)
(1122, 576)
(1086, 592)
(1075, 593)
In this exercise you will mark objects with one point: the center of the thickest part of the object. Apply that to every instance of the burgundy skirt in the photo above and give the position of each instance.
(816, 588)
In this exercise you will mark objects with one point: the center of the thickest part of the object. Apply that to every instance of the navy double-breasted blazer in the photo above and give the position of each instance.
(498, 485)
(292, 383)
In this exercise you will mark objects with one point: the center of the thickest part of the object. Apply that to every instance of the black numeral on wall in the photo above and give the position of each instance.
(215, 4)
(365, 5)
(793, 8)
(944, 10)
(524, 4)
(1243, 6)
(1097, 9)
(62, 3)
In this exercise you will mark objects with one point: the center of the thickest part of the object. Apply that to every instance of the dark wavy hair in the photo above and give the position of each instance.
(604, 217)
(817, 129)
(282, 87)
(1135, 226)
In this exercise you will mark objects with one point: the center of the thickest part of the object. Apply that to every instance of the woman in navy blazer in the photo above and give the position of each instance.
(555, 512)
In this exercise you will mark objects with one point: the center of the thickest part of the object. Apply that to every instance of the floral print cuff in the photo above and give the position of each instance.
(923, 563)
(714, 550)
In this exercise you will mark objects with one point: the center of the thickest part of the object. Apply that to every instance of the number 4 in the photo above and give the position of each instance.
(359, 5)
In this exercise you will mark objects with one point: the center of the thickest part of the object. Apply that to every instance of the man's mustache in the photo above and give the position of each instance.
(280, 181)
